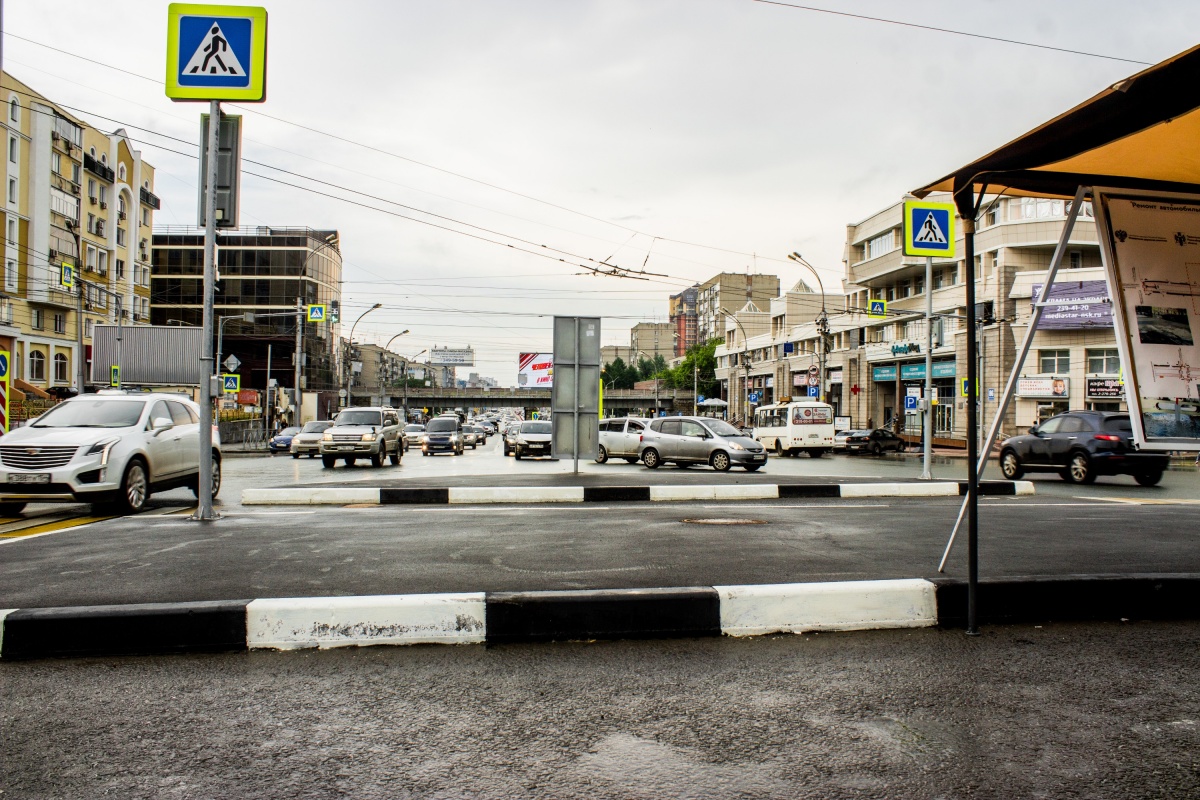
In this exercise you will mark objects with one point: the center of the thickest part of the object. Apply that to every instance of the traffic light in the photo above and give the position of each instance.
(335, 311)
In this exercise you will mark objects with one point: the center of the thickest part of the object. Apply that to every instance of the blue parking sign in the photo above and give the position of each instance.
(911, 402)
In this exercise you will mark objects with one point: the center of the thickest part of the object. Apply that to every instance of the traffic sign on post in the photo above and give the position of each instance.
(316, 312)
(231, 384)
(216, 52)
(814, 391)
(929, 229)
(911, 402)
(877, 309)
(5, 379)
(114, 375)
(66, 277)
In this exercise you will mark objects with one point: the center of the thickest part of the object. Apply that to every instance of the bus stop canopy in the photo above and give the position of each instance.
(1140, 133)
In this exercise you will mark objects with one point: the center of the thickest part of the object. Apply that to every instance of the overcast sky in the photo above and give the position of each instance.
(708, 136)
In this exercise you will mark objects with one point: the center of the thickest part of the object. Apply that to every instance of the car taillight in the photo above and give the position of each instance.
(641, 437)
(1107, 437)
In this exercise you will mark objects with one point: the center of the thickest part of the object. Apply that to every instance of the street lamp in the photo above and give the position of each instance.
(822, 321)
(745, 359)
(651, 360)
(246, 317)
(407, 360)
(350, 348)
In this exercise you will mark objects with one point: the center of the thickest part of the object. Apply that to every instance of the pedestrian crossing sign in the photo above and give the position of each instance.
(114, 376)
(877, 309)
(231, 384)
(216, 52)
(66, 277)
(929, 229)
(316, 313)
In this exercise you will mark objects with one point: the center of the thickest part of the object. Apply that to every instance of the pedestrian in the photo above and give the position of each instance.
(870, 423)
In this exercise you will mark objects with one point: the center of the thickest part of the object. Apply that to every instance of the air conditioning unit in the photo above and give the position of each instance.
(103, 205)
(53, 254)
(54, 136)
(137, 317)
(142, 244)
(100, 227)
(75, 191)
(92, 199)
(120, 215)
(124, 314)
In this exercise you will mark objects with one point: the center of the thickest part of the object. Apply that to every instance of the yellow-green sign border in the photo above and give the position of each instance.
(234, 390)
(256, 92)
(911, 248)
(324, 312)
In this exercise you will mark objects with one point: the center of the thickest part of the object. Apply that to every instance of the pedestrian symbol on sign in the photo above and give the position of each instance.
(231, 384)
(213, 54)
(316, 313)
(930, 232)
(877, 309)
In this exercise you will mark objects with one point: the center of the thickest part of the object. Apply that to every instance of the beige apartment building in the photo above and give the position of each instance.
(652, 339)
(78, 197)
(730, 291)
(870, 364)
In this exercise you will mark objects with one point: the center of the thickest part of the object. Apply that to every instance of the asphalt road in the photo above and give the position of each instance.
(1096, 711)
(1112, 527)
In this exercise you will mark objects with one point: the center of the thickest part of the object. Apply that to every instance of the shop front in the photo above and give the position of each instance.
(913, 376)
(1105, 394)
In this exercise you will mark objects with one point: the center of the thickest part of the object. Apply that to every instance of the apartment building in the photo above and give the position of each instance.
(652, 339)
(683, 319)
(267, 271)
(870, 364)
(76, 197)
(730, 291)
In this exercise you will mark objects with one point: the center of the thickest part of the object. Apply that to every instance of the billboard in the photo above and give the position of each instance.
(1075, 305)
(535, 370)
(1151, 247)
(1049, 388)
(452, 357)
(148, 355)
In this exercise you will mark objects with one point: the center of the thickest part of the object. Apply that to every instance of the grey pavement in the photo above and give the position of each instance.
(1084, 710)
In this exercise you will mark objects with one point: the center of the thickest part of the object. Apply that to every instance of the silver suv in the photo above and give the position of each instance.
(372, 432)
(620, 437)
(111, 448)
(699, 440)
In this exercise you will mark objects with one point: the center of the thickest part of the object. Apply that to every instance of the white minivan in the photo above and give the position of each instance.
(794, 427)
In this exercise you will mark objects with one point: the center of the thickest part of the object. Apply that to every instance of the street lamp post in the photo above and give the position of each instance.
(822, 321)
(651, 360)
(406, 360)
(246, 317)
(745, 362)
(350, 348)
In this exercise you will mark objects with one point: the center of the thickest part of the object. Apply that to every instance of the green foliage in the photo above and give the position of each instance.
(699, 362)
(619, 375)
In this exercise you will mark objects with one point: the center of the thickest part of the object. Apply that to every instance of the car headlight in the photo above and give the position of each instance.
(368, 437)
(327, 437)
(424, 438)
(736, 446)
(103, 447)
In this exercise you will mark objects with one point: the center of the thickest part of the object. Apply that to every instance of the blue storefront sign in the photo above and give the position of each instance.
(916, 372)
(884, 373)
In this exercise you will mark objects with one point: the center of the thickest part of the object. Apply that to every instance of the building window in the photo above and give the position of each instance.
(884, 243)
(104, 159)
(146, 217)
(121, 236)
(37, 366)
(60, 368)
(103, 262)
(1105, 361)
(75, 176)
(121, 172)
(91, 228)
(121, 203)
(1076, 259)
(1056, 362)
(90, 264)
(37, 319)
(12, 231)
(120, 268)
(14, 110)
(92, 152)
(12, 190)
(1028, 208)
(60, 323)
(12, 149)
(91, 188)
(87, 327)
(104, 195)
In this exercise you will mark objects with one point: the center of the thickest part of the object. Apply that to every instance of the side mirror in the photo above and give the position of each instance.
(161, 424)
(1033, 431)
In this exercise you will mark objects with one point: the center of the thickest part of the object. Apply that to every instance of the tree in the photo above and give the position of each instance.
(703, 358)
(618, 374)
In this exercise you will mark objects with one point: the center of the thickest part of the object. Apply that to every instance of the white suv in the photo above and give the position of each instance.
(112, 448)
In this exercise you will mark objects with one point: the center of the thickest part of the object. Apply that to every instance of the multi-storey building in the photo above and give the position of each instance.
(730, 291)
(870, 364)
(652, 339)
(79, 197)
(266, 271)
(611, 352)
(683, 319)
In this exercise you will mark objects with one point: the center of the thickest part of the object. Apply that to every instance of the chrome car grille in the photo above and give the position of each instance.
(347, 437)
(20, 457)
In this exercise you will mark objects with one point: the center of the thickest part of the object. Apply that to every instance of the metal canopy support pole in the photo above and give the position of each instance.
(927, 433)
(966, 209)
(204, 508)
(1022, 354)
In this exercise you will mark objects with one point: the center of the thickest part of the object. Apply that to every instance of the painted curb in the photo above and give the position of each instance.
(512, 617)
(464, 495)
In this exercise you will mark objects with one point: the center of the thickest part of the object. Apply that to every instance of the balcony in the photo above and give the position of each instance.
(149, 198)
(96, 168)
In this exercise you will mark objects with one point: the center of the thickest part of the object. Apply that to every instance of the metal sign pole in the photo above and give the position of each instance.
(927, 472)
(575, 410)
(204, 509)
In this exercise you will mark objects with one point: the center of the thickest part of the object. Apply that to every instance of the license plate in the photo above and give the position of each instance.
(346, 447)
(29, 477)
(759, 458)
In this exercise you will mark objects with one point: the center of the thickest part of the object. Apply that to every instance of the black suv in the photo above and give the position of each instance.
(1081, 445)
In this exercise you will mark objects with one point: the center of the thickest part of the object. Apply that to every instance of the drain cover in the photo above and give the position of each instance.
(725, 521)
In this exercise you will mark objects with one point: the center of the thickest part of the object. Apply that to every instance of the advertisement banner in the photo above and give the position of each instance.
(452, 357)
(1074, 305)
(535, 370)
(1106, 388)
(884, 373)
(1151, 248)
(1053, 388)
(916, 372)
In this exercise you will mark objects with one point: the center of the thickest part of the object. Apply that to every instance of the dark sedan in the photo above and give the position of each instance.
(871, 441)
(282, 441)
(1080, 446)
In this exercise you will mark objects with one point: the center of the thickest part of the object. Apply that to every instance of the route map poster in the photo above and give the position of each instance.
(1151, 246)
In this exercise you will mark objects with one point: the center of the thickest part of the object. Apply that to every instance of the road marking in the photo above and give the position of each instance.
(51, 527)
(1149, 501)
(802, 505)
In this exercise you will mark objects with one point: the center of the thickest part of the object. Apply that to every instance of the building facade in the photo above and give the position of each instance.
(730, 291)
(75, 197)
(683, 319)
(266, 271)
(652, 339)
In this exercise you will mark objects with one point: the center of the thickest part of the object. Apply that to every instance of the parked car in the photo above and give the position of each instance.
(532, 440)
(876, 441)
(699, 440)
(442, 436)
(110, 448)
(412, 435)
(308, 441)
(620, 437)
(370, 432)
(282, 441)
(839, 439)
(1080, 446)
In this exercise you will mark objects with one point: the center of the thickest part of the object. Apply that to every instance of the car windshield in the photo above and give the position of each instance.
(442, 426)
(92, 414)
(722, 428)
(355, 417)
(413, 428)
(288, 432)
(535, 427)
(315, 427)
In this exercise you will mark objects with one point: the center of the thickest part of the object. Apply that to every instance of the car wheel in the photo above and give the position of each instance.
(753, 467)
(328, 461)
(350, 461)
(216, 478)
(11, 509)
(650, 458)
(720, 461)
(778, 448)
(1079, 469)
(424, 452)
(630, 460)
(900, 448)
(1010, 465)
(295, 455)
(396, 456)
(1149, 478)
(379, 457)
(601, 455)
(135, 488)
(877, 448)
(517, 453)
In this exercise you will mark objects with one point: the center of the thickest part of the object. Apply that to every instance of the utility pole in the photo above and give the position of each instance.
(927, 432)
(299, 354)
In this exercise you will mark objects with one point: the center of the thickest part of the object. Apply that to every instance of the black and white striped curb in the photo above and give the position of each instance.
(509, 617)
(454, 495)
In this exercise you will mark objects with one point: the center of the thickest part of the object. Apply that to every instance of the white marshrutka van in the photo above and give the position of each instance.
(794, 427)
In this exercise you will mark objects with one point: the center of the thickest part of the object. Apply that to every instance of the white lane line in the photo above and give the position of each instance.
(799, 505)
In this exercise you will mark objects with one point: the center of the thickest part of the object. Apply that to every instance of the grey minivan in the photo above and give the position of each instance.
(620, 437)
(699, 440)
